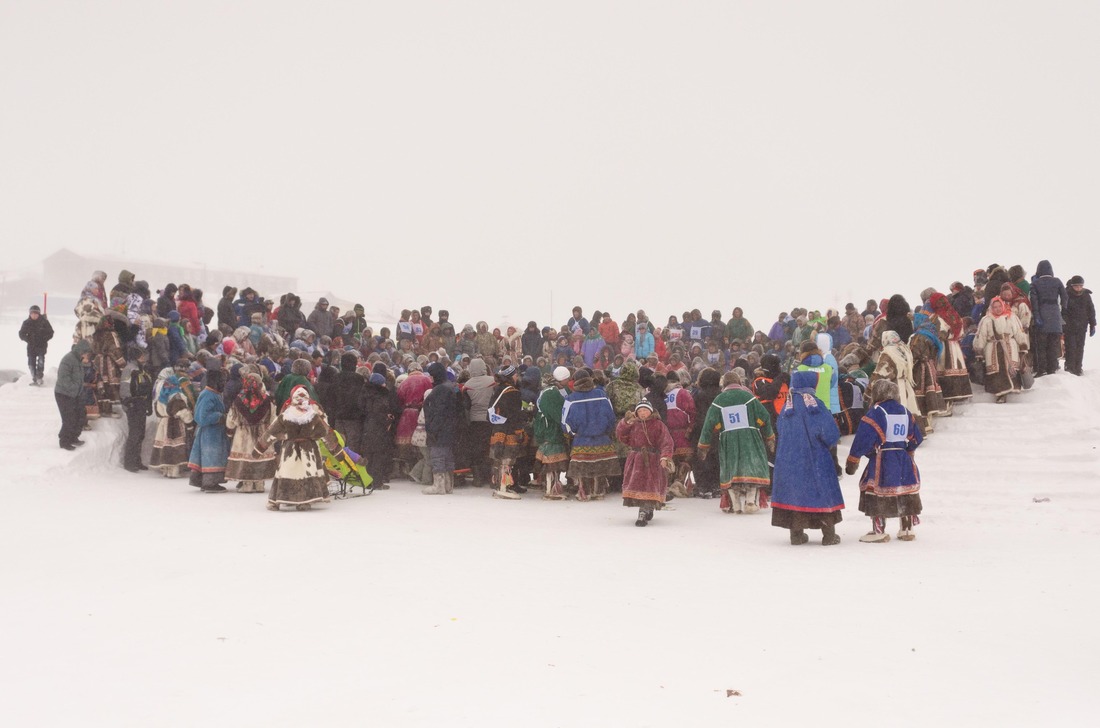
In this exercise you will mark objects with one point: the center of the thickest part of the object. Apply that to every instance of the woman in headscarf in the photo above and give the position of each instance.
(300, 478)
(951, 365)
(895, 363)
(890, 484)
(210, 450)
(926, 348)
(1001, 341)
(648, 462)
(805, 489)
(250, 415)
(173, 411)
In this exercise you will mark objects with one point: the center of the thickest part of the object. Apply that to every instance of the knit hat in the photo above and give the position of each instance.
(378, 379)
(506, 371)
(173, 316)
(1075, 281)
(644, 404)
(561, 374)
(35, 309)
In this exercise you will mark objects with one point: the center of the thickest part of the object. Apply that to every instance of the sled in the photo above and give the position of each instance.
(346, 472)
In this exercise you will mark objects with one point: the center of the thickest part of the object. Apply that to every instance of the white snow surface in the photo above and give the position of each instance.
(133, 600)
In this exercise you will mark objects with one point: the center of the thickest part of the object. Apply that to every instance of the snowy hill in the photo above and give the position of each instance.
(133, 600)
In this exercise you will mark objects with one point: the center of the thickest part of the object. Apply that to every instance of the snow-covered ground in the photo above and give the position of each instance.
(132, 600)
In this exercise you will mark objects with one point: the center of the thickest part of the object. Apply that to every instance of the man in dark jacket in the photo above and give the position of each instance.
(1048, 300)
(37, 332)
(962, 299)
(227, 312)
(347, 401)
(320, 319)
(249, 303)
(1080, 315)
(290, 316)
(67, 391)
(380, 411)
(167, 300)
(442, 413)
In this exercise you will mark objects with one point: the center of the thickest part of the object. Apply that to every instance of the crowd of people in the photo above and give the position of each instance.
(255, 389)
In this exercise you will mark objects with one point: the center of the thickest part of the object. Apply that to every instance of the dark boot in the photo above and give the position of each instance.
(828, 535)
(642, 519)
(798, 537)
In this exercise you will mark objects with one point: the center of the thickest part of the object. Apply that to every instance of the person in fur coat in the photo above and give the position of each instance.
(805, 488)
(742, 430)
(589, 419)
(251, 413)
(173, 410)
(890, 485)
(648, 462)
(210, 450)
(300, 478)
(895, 363)
(680, 417)
(1002, 342)
(951, 369)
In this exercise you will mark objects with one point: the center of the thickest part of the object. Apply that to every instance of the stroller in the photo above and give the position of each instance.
(347, 471)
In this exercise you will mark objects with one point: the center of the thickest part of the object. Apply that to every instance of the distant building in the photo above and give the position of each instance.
(64, 273)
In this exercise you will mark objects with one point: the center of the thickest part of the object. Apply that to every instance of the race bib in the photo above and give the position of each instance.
(494, 418)
(670, 400)
(675, 334)
(897, 428)
(697, 332)
(418, 329)
(404, 327)
(735, 417)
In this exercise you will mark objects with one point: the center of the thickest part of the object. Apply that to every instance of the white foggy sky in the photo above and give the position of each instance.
(475, 156)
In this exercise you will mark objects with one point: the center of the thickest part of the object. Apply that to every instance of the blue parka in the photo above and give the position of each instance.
(805, 475)
(210, 451)
(588, 417)
(887, 436)
(1048, 299)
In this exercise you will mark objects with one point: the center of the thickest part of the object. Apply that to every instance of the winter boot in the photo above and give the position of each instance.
(272, 506)
(599, 488)
(438, 487)
(448, 483)
(505, 492)
(873, 537)
(304, 506)
(642, 520)
(752, 504)
(906, 532)
(828, 535)
(582, 495)
(553, 487)
(798, 537)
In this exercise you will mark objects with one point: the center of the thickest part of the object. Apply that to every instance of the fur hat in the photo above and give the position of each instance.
(561, 374)
(1075, 281)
